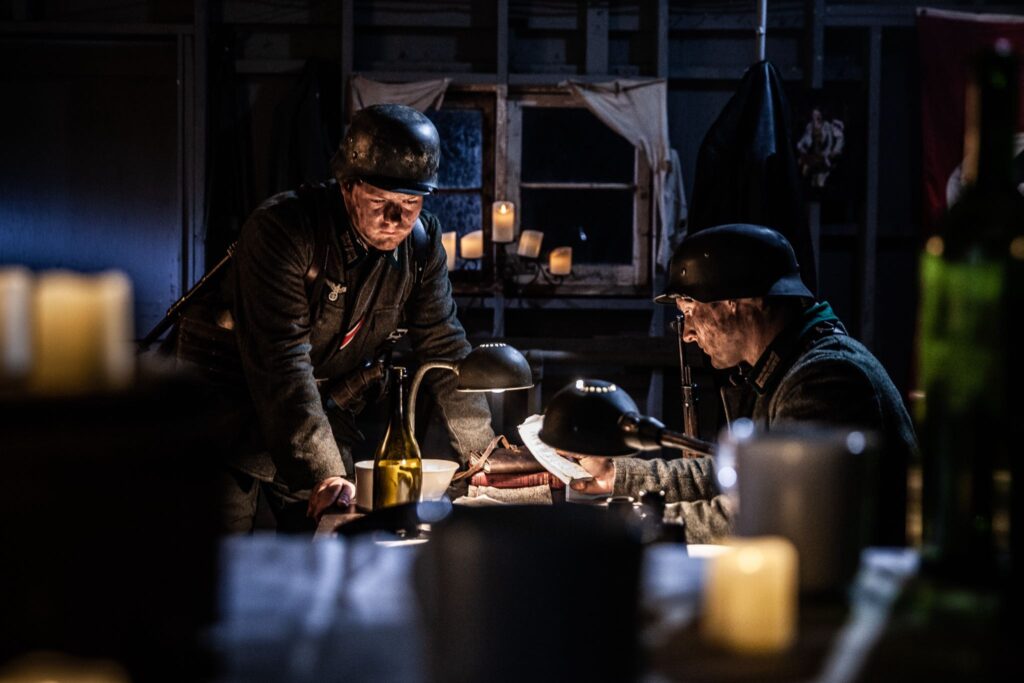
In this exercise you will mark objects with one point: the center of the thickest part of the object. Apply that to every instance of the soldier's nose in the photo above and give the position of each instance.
(393, 213)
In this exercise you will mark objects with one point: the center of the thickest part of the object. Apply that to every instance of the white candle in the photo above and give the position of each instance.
(503, 220)
(529, 243)
(448, 242)
(473, 244)
(750, 599)
(82, 333)
(560, 262)
(113, 292)
(15, 324)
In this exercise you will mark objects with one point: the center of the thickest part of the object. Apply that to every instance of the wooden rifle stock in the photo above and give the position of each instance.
(175, 310)
(690, 424)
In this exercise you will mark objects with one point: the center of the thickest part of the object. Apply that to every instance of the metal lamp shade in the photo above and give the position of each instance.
(584, 417)
(494, 367)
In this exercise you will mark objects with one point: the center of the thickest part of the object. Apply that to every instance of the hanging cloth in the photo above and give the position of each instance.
(746, 167)
(301, 145)
(638, 111)
(420, 95)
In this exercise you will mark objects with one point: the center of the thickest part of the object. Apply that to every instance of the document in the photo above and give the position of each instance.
(563, 468)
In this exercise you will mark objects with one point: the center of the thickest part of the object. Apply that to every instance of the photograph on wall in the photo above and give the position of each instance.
(820, 137)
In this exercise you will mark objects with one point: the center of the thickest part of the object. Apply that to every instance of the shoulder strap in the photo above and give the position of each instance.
(420, 247)
(317, 211)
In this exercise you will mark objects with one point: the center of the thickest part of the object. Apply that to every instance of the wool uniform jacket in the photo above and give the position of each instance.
(813, 372)
(292, 351)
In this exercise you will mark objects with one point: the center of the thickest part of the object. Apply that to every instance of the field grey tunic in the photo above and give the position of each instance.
(812, 372)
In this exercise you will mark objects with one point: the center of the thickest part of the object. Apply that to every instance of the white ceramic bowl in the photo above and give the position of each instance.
(437, 474)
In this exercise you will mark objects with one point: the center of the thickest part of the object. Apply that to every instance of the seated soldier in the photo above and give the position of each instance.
(744, 303)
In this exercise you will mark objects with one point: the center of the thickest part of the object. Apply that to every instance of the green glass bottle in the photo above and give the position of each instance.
(397, 465)
(969, 341)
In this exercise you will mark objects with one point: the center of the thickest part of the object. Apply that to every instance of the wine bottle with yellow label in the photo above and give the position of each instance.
(397, 465)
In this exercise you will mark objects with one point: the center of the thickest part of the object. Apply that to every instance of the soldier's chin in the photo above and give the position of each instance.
(388, 242)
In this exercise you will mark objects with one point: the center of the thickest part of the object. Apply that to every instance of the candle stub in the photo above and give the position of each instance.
(529, 243)
(750, 599)
(15, 324)
(448, 242)
(82, 333)
(473, 245)
(560, 262)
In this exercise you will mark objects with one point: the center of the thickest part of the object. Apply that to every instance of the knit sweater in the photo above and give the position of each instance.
(809, 374)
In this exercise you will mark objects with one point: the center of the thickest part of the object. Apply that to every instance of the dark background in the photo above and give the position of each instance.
(138, 135)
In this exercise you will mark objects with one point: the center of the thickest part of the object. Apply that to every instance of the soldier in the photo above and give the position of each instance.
(744, 303)
(322, 280)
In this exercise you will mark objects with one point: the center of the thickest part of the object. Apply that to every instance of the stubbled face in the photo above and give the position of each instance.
(717, 327)
(384, 219)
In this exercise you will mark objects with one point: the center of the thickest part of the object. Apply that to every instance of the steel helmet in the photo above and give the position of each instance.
(390, 146)
(735, 261)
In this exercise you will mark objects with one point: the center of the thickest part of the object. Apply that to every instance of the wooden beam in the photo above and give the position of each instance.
(661, 38)
(98, 29)
(595, 23)
(815, 76)
(201, 22)
(869, 236)
(501, 40)
(347, 36)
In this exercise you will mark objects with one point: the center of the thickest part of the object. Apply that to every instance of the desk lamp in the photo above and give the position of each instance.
(494, 367)
(594, 417)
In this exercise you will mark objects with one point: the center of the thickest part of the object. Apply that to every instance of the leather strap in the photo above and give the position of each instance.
(476, 466)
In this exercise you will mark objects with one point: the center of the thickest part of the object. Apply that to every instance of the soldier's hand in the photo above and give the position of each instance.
(331, 491)
(602, 469)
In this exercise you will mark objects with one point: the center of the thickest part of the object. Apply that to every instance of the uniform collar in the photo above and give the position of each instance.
(814, 322)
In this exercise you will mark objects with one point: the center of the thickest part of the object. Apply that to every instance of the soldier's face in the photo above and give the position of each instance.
(717, 329)
(384, 219)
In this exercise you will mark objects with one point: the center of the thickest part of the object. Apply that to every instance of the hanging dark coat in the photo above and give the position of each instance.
(746, 173)
(746, 167)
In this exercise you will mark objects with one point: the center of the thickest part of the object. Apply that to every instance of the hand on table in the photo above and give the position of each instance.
(331, 491)
(602, 469)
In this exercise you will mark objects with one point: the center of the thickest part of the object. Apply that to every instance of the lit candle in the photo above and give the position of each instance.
(83, 333)
(529, 243)
(15, 324)
(503, 219)
(473, 244)
(750, 598)
(560, 262)
(448, 242)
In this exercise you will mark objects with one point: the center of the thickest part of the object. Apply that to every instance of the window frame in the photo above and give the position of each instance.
(587, 278)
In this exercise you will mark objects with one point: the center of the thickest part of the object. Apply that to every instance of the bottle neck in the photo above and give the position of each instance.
(990, 122)
(398, 397)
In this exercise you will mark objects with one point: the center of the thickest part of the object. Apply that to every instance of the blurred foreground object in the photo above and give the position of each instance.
(970, 340)
(814, 487)
(520, 593)
(15, 326)
(107, 526)
(750, 600)
(64, 333)
(53, 667)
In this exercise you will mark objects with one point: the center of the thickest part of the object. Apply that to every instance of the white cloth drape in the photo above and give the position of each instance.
(420, 95)
(638, 111)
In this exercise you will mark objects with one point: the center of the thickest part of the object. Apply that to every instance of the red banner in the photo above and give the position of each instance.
(947, 42)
